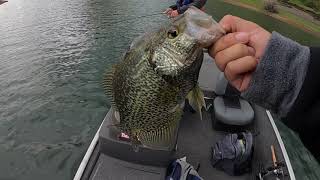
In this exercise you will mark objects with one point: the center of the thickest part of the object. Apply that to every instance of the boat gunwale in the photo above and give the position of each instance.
(282, 146)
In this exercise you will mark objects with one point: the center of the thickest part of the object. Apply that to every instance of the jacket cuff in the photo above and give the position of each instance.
(279, 76)
(182, 9)
(173, 7)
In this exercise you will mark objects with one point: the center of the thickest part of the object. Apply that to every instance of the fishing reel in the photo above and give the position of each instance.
(275, 170)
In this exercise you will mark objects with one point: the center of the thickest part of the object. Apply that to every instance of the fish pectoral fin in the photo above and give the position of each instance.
(196, 99)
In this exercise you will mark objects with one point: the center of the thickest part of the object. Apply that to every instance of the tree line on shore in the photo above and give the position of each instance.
(310, 6)
(313, 4)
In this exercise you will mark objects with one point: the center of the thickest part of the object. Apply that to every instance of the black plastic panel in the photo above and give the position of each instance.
(111, 145)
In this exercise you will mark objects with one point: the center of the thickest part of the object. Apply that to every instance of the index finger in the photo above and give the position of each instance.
(236, 24)
(228, 41)
(228, 23)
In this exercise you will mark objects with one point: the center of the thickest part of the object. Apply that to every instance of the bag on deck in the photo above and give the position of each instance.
(233, 154)
(181, 170)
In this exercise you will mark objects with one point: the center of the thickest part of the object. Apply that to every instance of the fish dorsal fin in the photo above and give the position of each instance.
(108, 86)
(136, 42)
(196, 99)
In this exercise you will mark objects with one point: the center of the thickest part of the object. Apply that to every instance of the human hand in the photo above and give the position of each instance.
(174, 13)
(238, 52)
(168, 11)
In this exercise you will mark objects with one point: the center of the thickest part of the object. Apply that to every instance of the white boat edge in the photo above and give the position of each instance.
(283, 149)
(87, 156)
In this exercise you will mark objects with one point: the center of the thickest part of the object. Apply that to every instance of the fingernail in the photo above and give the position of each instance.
(224, 26)
(242, 37)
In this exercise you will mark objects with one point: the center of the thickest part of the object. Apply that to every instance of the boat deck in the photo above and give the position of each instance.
(195, 140)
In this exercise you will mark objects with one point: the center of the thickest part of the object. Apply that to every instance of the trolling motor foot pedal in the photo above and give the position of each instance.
(116, 144)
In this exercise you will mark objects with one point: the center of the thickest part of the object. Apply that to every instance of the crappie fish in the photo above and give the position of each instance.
(157, 73)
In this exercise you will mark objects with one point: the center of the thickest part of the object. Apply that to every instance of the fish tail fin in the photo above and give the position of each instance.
(196, 99)
(164, 137)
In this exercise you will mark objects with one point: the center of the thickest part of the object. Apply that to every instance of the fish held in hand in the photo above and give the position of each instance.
(161, 68)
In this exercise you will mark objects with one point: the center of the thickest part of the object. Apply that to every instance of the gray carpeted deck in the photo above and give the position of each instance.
(195, 140)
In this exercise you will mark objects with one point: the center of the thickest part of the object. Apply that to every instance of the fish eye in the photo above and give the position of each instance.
(172, 33)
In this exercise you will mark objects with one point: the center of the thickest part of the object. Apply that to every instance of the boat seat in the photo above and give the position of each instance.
(229, 107)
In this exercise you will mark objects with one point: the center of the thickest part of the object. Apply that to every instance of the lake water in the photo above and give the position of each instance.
(53, 55)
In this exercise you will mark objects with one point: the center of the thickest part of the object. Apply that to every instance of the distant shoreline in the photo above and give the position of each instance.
(276, 16)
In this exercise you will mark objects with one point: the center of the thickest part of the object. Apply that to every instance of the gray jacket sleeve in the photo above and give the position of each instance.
(279, 75)
(197, 3)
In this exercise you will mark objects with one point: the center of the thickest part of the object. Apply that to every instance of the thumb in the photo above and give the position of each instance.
(235, 24)
(228, 23)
